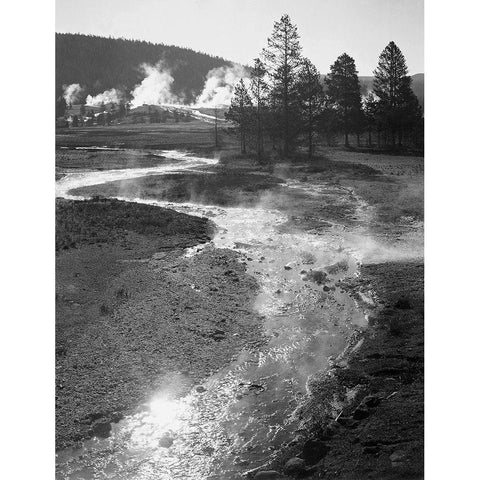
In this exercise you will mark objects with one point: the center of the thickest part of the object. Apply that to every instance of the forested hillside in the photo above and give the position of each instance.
(102, 63)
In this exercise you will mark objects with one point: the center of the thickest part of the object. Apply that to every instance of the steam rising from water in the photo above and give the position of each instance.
(72, 93)
(108, 96)
(220, 85)
(155, 88)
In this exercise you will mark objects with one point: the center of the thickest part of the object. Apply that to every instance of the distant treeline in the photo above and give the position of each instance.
(99, 63)
(286, 104)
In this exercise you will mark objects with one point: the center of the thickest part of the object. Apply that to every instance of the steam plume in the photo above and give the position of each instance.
(155, 88)
(220, 85)
(108, 96)
(72, 93)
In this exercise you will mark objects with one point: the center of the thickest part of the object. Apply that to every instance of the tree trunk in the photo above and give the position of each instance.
(346, 139)
(370, 137)
(358, 139)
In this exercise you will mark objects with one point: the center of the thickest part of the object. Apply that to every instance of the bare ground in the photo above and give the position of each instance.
(130, 309)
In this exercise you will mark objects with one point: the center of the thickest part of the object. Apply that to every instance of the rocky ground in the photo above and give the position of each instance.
(364, 418)
(125, 295)
(130, 308)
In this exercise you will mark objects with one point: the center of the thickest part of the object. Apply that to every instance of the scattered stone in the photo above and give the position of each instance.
(326, 289)
(295, 466)
(287, 267)
(267, 475)
(201, 389)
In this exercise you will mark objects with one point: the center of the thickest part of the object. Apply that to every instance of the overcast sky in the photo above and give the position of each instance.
(238, 29)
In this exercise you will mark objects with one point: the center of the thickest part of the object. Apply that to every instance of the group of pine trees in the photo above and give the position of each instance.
(286, 104)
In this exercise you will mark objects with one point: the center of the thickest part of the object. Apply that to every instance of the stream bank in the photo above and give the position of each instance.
(249, 408)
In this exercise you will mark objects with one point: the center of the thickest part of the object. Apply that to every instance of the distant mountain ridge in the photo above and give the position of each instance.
(366, 83)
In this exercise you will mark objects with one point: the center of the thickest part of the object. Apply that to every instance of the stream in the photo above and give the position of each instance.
(246, 411)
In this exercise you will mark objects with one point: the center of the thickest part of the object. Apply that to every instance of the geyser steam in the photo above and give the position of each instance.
(72, 93)
(108, 96)
(220, 85)
(155, 88)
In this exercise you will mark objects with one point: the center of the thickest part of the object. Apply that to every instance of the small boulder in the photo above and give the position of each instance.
(403, 304)
(398, 458)
(200, 389)
(165, 442)
(295, 466)
(371, 401)
(267, 475)
(313, 451)
(361, 412)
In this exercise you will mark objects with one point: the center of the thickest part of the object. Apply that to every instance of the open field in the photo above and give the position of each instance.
(182, 136)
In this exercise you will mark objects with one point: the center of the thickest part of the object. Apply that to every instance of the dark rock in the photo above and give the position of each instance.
(361, 412)
(313, 451)
(201, 389)
(371, 449)
(287, 267)
(326, 289)
(347, 422)
(165, 442)
(371, 401)
(337, 267)
(403, 304)
(267, 475)
(295, 466)
(102, 429)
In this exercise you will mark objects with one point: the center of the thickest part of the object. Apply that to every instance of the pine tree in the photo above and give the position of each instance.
(60, 107)
(370, 106)
(283, 60)
(310, 95)
(344, 92)
(398, 108)
(240, 112)
(259, 93)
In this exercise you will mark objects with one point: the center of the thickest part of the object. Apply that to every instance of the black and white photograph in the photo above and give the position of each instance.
(239, 239)
(234, 280)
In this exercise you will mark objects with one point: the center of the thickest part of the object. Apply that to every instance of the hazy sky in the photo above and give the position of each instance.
(238, 29)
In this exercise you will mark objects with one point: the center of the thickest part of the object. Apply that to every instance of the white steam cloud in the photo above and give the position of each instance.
(108, 96)
(72, 93)
(155, 88)
(220, 85)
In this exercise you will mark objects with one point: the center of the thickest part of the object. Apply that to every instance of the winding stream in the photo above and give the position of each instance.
(247, 410)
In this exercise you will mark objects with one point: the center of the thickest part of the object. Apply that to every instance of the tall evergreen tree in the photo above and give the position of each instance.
(240, 112)
(310, 94)
(60, 107)
(398, 108)
(259, 93)
(344, 91)
(370, 106)
(283, 60)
